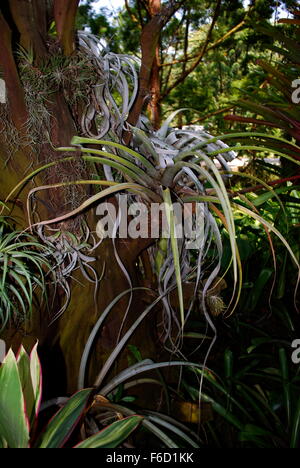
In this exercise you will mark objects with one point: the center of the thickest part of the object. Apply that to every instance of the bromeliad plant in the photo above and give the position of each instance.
(70, 252)
(23, 269)
(159, 173)
(104, 86)
(20, 399)
(178, 166)
(173, 166)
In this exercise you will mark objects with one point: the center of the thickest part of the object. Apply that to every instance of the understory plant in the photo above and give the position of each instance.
(104, 423)
(253, 390)
(20, 400)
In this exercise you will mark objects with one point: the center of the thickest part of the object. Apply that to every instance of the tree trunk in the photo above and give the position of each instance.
(66, 338)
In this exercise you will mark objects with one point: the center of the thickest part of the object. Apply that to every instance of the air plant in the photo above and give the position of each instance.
(150, 176)
(69, 253)
(98, 81)
(191, 176)
(105, 84)
(176, 165)
(112, 98)
(179, 165)
(23, 269)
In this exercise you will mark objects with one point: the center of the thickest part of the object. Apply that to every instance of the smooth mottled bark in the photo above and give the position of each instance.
(30, 18)
(65, 14)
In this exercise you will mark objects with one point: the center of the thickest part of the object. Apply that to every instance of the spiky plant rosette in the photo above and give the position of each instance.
(24, 265)
(177, 166)
(70, 252)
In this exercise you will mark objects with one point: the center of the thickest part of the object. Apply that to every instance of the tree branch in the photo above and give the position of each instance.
(213, 46)
(149, 41)
(168, 76)
(211, 114)
(200, 56)
(241, 119)
(256, 188)
(65, 16)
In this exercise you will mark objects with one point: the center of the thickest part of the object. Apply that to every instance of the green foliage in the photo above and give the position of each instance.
(99, 24)
(267, 275)
(254, 393)
(14, 427)
(23, 268)
(112, 436)
(228, 69)
(20, 398)
(272, 105)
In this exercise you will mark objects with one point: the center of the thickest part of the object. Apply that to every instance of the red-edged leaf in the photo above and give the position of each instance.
(64, 422)
(14, 425)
